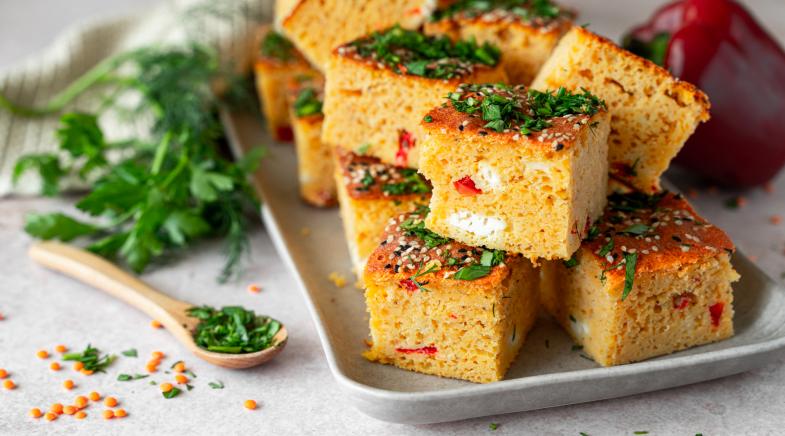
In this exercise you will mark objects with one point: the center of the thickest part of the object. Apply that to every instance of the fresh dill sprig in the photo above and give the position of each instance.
(171, 186)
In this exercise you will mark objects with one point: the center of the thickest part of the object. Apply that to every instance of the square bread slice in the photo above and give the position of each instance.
(369, 194)
(379, 88)
(496, 183)
(277, 63)
(653, 278)
(525, 33)
(314, 158)
(318, 26)
(440, 307)
(652, 113)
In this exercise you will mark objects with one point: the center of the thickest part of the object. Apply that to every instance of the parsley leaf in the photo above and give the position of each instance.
(636, 229)
(129, 377)
(307, 103)
(275, 45)
(413, 183)
(216, 384)
(416, 227)
(172, 393)
(91, 359)
(630, 259)
(572, 261)
(472, 272)
(57, 226)
(130, 353)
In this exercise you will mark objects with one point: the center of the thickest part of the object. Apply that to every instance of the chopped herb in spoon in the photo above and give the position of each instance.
(91, 359)
(233, 329)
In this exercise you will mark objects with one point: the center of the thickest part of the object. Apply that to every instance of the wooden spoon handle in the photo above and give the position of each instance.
(102, 274)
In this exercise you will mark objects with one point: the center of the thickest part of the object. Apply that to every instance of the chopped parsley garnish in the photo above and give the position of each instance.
(526, 10)
(606, 248)
(216, 384)
(416, 227)
(428, 119)
(276, 46)
(436, 57)
(233, 329)
(630, 259)
(505, 107)
(367, 180)
(572, 261)
(172, 393)
(307, 103)
(488, 260)
(130, 353)
(413, 183)
(493, 426)
(636, 229)
(129, 377)
(91, 359)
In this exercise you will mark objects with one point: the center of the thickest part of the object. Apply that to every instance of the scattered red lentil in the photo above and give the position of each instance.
(250, 404)
(80, 415)
(50, 416)
(95, 396)
(70, 410)
(85, 371)
(181, 379)
(254, 288)
(120, 413)
(775, 219)
(156, 324)
(9, 384)
(78, 366)
(68, 384)
(81, 401)
(42, 354)
(3, 373)
(158, 355)
(108, 414)
(166, 387)
(54, 366)
(61, 348)
(110, 402)
(56, 408)
(179, 367)
(36, 413)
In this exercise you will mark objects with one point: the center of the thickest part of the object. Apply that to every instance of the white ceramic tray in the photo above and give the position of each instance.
(547, 373)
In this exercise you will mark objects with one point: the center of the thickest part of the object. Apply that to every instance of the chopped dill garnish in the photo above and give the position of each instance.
(91, 359)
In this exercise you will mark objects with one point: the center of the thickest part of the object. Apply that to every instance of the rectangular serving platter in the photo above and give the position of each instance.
(547, 373)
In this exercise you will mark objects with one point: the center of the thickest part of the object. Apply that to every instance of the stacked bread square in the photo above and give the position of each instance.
(471, 203)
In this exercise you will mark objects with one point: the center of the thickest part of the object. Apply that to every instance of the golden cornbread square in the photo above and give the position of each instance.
(369, 194)
(525, 33)
(444, 308)
(497, 183)
(318, 26)
(653, 278)
(314, 158)
(652, 113)
(277, 62)
(380, 99)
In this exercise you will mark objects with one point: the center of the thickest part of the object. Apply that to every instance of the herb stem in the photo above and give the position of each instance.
(94, 76)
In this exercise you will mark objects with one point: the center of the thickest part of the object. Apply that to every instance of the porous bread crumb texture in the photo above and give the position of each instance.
(459, 329)
(366, 104)
(667, 310)
(316, 27)
(525, 47)
(535, 200)
(652, 113)
(314, 162)
(364, 219)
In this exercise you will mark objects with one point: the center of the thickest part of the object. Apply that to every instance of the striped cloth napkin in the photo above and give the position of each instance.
(227, 25)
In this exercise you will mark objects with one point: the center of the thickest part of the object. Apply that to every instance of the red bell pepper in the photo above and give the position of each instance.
(721, 48)
(466, 186)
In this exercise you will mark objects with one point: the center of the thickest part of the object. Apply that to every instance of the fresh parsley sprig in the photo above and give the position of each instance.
(170, 186)
(416, 227)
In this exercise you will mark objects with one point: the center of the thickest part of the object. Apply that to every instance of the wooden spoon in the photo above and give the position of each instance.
(102, 274)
